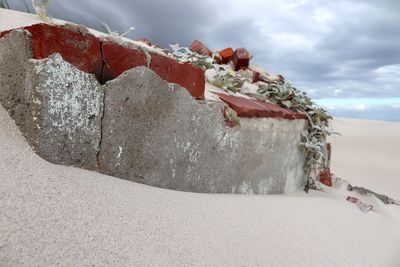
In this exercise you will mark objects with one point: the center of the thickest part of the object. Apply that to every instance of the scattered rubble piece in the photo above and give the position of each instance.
(231, 118)
(200, 48)
(325, 177)
(240, 59)
(255, 108)
(225, 55)
(256, 77)
(367, 192)
(364, 207)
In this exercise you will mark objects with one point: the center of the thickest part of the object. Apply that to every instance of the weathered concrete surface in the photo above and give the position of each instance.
(152, 132)
(156, 133)
(15, 51)
(64, 109)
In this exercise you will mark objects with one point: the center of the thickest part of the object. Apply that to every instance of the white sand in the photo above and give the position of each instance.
(368, 154)
(56, 215)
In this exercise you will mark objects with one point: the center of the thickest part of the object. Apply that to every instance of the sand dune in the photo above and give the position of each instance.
(368, 154)
(57, 215)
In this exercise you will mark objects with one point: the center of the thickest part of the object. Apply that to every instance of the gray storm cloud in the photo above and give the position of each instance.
(328, 48)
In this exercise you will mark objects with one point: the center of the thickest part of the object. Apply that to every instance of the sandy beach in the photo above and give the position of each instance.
(57, 215)
(368, 154)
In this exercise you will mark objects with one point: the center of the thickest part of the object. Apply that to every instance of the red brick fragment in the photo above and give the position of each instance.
(256, 76)
(145, 40)
(81, 50)
(200, 48)
(118, 59)
(184, 74)
(226, 55)
(325, 177)
(240, 59)
(86, 52)
(250, 108)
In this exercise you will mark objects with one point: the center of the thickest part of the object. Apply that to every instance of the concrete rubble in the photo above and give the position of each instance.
(141, 127)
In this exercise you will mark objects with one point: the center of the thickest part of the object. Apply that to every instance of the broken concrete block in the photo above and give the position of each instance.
(15, 51)
(155, 133)
(152, 132)
(200, 48)
(240, 59)
(64, 109)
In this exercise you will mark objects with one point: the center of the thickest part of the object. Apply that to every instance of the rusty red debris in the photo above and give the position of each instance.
(107, 60)
(184, 74)
(118, 58)
(250, 108)
(226, 55)
(325, 177)
(200, 48)
(240, 59)
(80, 49)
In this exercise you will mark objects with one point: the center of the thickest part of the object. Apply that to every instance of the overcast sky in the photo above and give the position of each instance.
(337, 49)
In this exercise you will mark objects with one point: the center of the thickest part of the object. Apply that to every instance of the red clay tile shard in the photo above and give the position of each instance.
(240, 59)
(325, 177)
(81, 50)
(226, 55)
(250, 108)
(118, 59)
(200, 48)
(184, 74)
